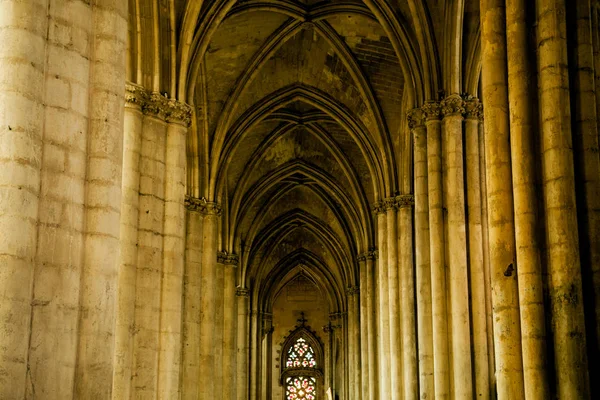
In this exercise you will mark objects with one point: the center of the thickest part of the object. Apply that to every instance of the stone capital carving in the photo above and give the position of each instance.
(390, 203)
(202, 206)
(453, 105)
(226, 258)
(156, 105)
(416, 117)
(379, 207)
(405, 200)
(352, 290)
(135, 95)
(242, 292)
(473, 108)
(179, 112)
(432, 110)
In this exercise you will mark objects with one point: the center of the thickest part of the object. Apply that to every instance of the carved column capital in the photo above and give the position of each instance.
(352, 290)
(202, 206)
(453, 105)
(242, 292)
(226, 258)
(473, 108)
(405, 200)
(179, 112)
(432, 110)
(416, 117)
(379, 207)
(135, 95)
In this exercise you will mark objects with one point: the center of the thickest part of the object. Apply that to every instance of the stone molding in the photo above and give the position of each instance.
(416, 117)
(432, 110)
(453, 105)
(242, 292)
(156, 105)
(202, 206)
(226, 258)
(394, 203)
(369, 255)
(352, 290)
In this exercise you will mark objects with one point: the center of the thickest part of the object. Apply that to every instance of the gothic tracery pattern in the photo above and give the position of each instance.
(301, 355)
(300, 388)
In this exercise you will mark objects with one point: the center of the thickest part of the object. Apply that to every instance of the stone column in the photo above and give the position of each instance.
(208, 300)
(432, 112)
(243, 337)
(354, 338)
(507, 335)
(171, 304)
(351, 344)
(191, 303)
(454, 186)
(371, 258)
(405, 204)
(393, 285)
(150, 249)
(422, 256)
(476, 274)
(229, 327)
(219, 324)
(564, 268)
(383, 306)
(587, 169)
(364, 327)
(527, 227)
(22, 73)
(95, 356)
(130, 188)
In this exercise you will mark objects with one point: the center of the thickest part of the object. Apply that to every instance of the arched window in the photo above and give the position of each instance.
(301, 373)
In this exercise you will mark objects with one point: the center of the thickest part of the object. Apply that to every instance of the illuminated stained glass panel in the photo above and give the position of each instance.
(300, 388)
(301, 355)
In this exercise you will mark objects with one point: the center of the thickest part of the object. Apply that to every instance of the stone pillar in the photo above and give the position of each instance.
(150, 249)
(476, 273)
(587, 169)
(422, 256)
(432, 112)
(371, 259)
(507, 336)
(130, 188)
(393, 285)
(527, 227)
(191, 303)
(383, 306)
(208, 300)
(229, 327)
(95, 356)
(22, 73)
(243, 337)
(564, 268)
(354, 338)
(171, 304)
(351, 344)
(405, 203)
(454, 186)
(364, 328)
(219, 324)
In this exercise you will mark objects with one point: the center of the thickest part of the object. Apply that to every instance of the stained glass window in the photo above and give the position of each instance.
(300, 388)
(301, 355)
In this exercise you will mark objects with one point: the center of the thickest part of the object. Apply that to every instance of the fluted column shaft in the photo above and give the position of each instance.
(208, 302)
(243, 334)
(437, 255)
(476, 271)
(501, 229)
(230, 319)
(364, 328)
(95, 362)
(409, 340)
(372, 326)
(171, 304)
(564, 267)
(191, 305)
(587, 169)
(23, 54)
(527, 226)
(383, 309)
(393, 282)
(422, 258)
(454, 186)
(125, 316)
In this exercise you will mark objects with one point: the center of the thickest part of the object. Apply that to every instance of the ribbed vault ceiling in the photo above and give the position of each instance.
(299, 105)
